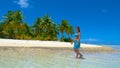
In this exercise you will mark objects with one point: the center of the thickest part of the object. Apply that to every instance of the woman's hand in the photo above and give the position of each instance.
(71, 43)
(77, 43)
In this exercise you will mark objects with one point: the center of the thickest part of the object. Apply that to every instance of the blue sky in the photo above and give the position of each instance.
(99, 20)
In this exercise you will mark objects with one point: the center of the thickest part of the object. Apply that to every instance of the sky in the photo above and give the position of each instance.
(99, 20)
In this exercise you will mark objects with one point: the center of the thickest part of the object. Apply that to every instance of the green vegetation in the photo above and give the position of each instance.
(13, 27)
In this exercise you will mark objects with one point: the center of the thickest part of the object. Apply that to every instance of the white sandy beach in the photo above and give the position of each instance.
(38, 43)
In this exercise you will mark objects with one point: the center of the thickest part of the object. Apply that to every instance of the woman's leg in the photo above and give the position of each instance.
(76, 53)
(79, 53)
(81, 56)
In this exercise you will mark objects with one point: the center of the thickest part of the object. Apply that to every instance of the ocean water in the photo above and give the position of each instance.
(116, 47)
(49, 58)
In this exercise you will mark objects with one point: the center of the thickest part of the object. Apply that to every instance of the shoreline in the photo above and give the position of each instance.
(10, 43)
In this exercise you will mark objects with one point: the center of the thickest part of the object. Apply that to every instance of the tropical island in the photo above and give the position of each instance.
(44, 32)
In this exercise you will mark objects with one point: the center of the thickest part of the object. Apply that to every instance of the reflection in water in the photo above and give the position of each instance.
(48, 58)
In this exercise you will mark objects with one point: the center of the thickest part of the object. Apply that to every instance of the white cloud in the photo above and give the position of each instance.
(92, 39)
(89, 39)
(22, 3)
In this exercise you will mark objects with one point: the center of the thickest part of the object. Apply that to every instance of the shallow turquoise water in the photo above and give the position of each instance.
(47, 58)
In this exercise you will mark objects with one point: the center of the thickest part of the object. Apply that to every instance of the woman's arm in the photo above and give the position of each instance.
(78, 39)
(79, 36)
(72, 41)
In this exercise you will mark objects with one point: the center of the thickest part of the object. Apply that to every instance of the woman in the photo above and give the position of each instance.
(77, 43)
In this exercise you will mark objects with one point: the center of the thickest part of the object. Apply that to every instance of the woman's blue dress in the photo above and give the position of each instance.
(76, 42)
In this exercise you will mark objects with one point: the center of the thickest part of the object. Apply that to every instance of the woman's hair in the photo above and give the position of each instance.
(78, 29)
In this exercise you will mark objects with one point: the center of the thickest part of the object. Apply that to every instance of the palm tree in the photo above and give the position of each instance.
(70, 30)
(1, 30)
(63, 27)
(13, 23)
(47, 27)
(47, 23)
(37, 26)
(27, 29)
(54, 31)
